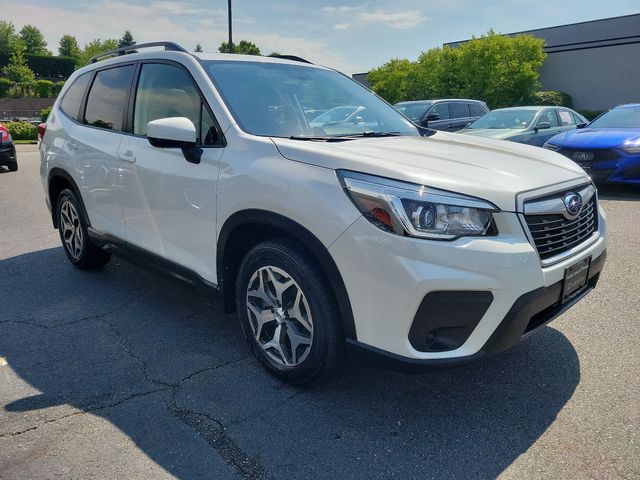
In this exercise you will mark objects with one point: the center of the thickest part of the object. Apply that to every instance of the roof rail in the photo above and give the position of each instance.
(291, 57)
(168, 46)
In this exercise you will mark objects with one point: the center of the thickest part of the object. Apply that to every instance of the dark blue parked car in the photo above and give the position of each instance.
(608, 148)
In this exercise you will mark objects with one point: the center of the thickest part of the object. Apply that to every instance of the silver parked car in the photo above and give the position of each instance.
(530, 125)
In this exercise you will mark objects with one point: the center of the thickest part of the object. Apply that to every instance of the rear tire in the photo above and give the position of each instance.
(288, 313)
(72, 225)
(13, 167)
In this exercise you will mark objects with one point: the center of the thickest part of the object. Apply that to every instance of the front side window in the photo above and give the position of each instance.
(549, 116)
(165, 91)
(107, 100)
(285, 100)
(70, 104)
(415, 111)
(441, 109)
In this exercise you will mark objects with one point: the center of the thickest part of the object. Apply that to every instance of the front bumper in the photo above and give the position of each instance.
(529, 312)
(388, 277)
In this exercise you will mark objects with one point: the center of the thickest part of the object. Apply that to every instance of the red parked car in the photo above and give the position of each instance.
(8, 156)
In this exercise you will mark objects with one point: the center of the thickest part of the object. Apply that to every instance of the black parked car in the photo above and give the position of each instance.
(7, 150)
(448, 114)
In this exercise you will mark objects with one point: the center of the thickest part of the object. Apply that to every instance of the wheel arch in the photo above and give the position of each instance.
(58, 180)
(245, 229)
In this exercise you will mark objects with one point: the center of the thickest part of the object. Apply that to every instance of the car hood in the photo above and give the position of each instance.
(490, 169)
(595, 137)
(500, 133)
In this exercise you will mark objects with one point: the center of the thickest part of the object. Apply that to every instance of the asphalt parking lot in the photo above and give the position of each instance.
(124, 373)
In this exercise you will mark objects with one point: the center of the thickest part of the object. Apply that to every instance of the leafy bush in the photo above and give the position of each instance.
(22, 130)
(17, 70)
(552, 97)
(44, 113)
(43, 88)
(590, 114)
(5, 87)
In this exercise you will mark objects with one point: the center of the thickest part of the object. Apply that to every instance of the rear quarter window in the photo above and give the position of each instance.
(72, 99)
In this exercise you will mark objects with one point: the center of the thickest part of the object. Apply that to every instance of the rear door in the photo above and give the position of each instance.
(460, 116)
(169, 203)
(96, 146)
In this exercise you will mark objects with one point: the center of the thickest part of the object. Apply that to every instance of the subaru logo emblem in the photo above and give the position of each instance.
(573, 203)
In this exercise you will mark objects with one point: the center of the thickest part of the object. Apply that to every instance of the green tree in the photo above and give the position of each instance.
(498, 69)
(243, 48)
(501, 70)
(17, 70)
(8, 37)
(96, 47)
(127, 40)
(33, 41)
(393, 80)
(198, 48)
(68, 47)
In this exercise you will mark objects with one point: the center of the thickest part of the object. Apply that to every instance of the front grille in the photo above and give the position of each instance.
(587, 157)
(554, 234)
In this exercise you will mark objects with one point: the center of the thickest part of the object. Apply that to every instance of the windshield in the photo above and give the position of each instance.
(415, 111)
(621, 117)
(509, 119)
(282, 100)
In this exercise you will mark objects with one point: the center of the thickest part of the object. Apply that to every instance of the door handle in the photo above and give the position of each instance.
(128, 156)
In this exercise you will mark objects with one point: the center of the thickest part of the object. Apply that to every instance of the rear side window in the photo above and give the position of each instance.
(165, 91)
(107, 100)
(549, 116)
(71, 101)
(566, 118)
(476, 110)
(459, 110)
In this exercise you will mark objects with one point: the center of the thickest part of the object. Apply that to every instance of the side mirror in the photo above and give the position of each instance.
(543, 126)
(581, 125)
(175, 132)
(433, 116)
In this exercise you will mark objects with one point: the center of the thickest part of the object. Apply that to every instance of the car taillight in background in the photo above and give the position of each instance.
(5, 136)
(42, 128)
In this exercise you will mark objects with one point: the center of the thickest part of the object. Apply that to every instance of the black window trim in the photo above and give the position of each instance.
(128, 121)
(435, 104)
(222, 142)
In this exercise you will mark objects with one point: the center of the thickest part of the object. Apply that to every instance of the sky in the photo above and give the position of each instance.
(352, 36)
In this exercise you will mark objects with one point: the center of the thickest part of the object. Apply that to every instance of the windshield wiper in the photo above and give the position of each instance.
(320, 139)
(371, 134)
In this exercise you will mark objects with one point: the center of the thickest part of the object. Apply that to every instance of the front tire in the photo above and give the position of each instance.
(72, 225)
(288, 312)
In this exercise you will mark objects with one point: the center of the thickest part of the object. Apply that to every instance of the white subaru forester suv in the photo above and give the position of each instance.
(320, 214)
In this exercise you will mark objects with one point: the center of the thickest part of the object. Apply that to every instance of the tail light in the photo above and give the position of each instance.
(4, 134)
(42, 128)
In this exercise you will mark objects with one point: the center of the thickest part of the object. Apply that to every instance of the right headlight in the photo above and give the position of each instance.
(418, 211)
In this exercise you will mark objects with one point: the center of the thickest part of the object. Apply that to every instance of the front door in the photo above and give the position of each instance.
(169, 203)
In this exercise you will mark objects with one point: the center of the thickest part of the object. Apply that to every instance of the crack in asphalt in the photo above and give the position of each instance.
(97, 316)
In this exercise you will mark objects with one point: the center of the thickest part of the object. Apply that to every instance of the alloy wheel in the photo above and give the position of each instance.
(279, 316)
(71, 229)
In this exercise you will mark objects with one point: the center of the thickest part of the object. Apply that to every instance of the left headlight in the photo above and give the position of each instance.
(418, 211)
